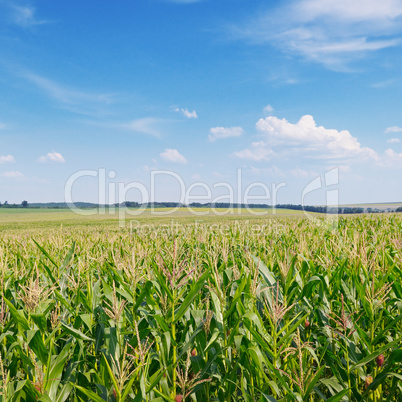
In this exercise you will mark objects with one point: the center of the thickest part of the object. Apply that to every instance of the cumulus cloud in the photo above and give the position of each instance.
(173, 155)
(393, 129)
(55, 157)
(187, 113)
(305, 139)
(224, 132)
(393, 140)
(6, 159)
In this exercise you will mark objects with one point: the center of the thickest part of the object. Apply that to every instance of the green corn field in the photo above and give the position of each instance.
(271, 310)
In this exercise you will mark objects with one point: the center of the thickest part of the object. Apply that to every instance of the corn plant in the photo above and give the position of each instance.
(216, 311)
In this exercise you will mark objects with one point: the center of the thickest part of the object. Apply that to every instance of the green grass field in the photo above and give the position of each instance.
(212, 308)
(41, 218)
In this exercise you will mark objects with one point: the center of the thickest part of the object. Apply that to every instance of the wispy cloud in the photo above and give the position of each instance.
(54, 157)
(76, 100)
(385, 84)
(258, 151)
(330, 32)
(146, 125)
(392, 159)
(393, 140)
(173, 155)
(393, 129)
(268, 109)
(6, 159)
(25, 16)
(187, 113)
(217, 133)
(13, 175)
(267, 171)
(302, 173)
(365, 11)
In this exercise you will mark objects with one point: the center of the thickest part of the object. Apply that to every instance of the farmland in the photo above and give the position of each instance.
(218, 308)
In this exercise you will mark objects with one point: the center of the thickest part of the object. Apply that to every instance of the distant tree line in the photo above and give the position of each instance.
(5, 204)
(222, 205)
(324, 209)
(226, 205)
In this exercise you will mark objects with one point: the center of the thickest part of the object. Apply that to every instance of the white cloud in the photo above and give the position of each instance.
(330, 32)
(6, 159)
(186, 113)
(146, 125)
(24, 16)
(392, 154)
(394, 129)
(384, 84)
(224, 132)
(52, 157)
(65, 94)
(392, 159)
(353, 11)
(258, 151)
(393, 140)
(173, 155)
(300, 173)
(13, 175)
(304, 139)
(268, 109)
(343, 168)
(73, 99)
(267, 171)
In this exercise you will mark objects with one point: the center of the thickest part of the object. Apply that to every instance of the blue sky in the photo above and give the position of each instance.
(284, 91)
